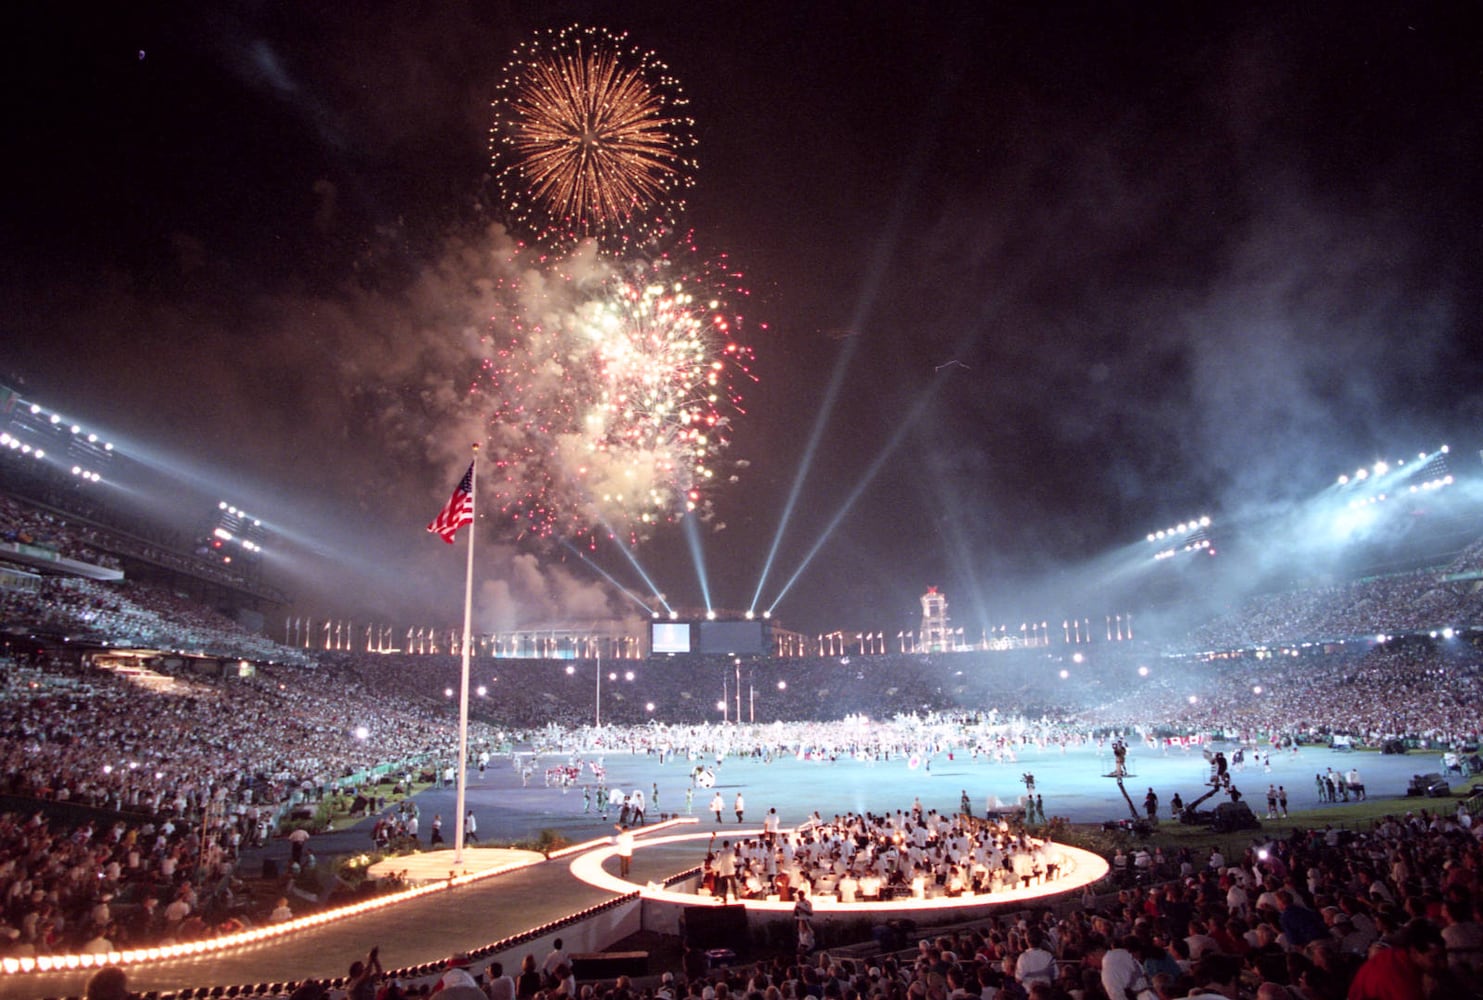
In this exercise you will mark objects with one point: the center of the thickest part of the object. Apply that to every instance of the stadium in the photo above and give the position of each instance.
(958, 502)
(132, 653)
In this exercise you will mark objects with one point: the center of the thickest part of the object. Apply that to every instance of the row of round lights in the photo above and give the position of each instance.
(1182, 528)
(1382, 467)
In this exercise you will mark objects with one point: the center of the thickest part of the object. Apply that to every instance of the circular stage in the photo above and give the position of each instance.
(1078, 868)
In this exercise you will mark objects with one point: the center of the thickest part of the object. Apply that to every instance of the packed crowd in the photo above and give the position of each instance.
(1413, 688)
(127, 614)
(26, 525)
(1392, 914)
(177, 773)
(1412, 602)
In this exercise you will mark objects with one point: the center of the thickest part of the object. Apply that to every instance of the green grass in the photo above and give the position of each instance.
(1172, 836)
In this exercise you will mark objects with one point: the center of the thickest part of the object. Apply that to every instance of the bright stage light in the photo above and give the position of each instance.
(570, 671)
(1142, 671)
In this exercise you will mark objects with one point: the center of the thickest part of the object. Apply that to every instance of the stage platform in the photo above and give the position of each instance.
(428, 867)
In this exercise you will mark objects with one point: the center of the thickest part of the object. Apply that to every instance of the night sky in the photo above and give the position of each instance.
(1081, 274)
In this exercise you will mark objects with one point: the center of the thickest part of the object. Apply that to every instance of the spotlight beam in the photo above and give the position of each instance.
(635, 598)
(880, 261)
(860, 487)
(692, 540)
(634, 562)
(826, 408)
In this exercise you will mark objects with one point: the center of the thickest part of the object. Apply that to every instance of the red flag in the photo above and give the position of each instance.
(458, 511)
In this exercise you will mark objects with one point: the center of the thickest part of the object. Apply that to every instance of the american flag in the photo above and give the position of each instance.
(458, 511)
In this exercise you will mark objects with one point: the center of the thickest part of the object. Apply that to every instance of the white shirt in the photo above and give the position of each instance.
(1121, 971)
(1035, 964)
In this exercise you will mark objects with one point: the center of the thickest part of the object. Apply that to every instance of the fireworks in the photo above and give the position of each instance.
(612, 392)
(590, 138)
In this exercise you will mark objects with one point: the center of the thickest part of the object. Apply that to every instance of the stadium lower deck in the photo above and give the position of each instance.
(425, 930)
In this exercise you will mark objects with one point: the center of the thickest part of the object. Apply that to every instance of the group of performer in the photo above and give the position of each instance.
(866, 858)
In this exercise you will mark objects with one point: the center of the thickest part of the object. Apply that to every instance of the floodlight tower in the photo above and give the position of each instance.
(934, 635)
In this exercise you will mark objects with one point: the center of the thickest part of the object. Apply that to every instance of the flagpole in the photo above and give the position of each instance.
(463, 684)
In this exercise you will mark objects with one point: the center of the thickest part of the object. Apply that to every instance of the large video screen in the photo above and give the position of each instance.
(669, 637)
(742, 638)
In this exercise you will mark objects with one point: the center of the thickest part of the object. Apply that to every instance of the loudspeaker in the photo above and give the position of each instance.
(708, 927)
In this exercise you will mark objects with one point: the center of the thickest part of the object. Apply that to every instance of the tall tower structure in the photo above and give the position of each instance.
(933, 636)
